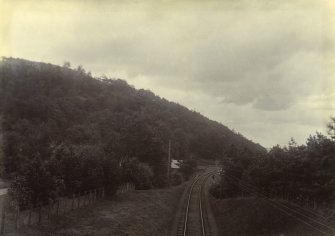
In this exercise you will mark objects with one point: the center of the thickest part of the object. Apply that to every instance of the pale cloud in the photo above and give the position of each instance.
(263, 68)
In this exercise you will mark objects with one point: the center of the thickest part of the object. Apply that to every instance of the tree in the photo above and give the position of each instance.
(140, 174)
(111, 175)
(331, 128)
(67, 64)
(188, 168)
(35, 184)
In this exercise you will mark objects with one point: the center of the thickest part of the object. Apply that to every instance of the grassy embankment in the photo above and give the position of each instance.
(254, 216)
(137, 213)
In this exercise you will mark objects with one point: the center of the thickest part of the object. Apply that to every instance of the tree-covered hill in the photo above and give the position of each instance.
(302, 174)
(65, 118)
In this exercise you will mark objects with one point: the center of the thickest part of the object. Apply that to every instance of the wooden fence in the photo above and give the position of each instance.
(126, 187)
(13, 218)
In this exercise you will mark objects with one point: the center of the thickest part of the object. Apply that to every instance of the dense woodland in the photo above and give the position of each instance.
(299, 173)
(65, 132)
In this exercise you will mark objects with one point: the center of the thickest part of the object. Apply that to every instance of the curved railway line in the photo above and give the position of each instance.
(194, 221)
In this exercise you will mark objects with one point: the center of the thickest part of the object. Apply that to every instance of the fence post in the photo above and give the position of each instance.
(306, 201)
(48, 212)
(103, 192)
(65, 205)
(53, 207)
(17, 216)
(78, 200)
(40, 214)
(29, 215)
(3, 216)
(57, 210)
(72, 204)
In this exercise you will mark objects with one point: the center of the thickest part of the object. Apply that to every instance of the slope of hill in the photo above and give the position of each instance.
(52, 111)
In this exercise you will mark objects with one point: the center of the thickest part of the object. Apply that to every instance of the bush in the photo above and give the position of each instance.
(188, 168)
(176, 178)
(138, 173)
(35, 184)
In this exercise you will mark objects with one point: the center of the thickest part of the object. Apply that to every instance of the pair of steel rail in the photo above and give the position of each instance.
(195, 217)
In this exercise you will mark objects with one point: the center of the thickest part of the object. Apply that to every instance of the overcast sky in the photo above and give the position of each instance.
(263, 68)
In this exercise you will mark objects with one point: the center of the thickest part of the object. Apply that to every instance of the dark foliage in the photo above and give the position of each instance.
(140, 174)
(188, 168)
(295, 172)
(80, 128)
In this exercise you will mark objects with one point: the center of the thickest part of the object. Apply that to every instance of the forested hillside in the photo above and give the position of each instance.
(64, 131)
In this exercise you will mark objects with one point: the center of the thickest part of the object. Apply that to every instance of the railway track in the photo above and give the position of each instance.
(194, 222)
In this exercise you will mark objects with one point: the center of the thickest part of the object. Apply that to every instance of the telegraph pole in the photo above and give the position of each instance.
(169, 163)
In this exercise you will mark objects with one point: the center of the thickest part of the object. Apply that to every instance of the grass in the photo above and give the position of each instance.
(254, 216)
(138, 213)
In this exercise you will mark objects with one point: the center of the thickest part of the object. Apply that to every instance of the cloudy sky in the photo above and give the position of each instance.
(263, 68)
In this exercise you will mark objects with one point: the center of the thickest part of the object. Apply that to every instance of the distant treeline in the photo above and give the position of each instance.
(295, 172)
(66, 132)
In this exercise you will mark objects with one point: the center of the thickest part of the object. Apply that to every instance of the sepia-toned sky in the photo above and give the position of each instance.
(263, 68)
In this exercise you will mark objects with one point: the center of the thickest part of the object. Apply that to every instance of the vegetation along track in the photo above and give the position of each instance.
(316, 223)
(195, 221)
